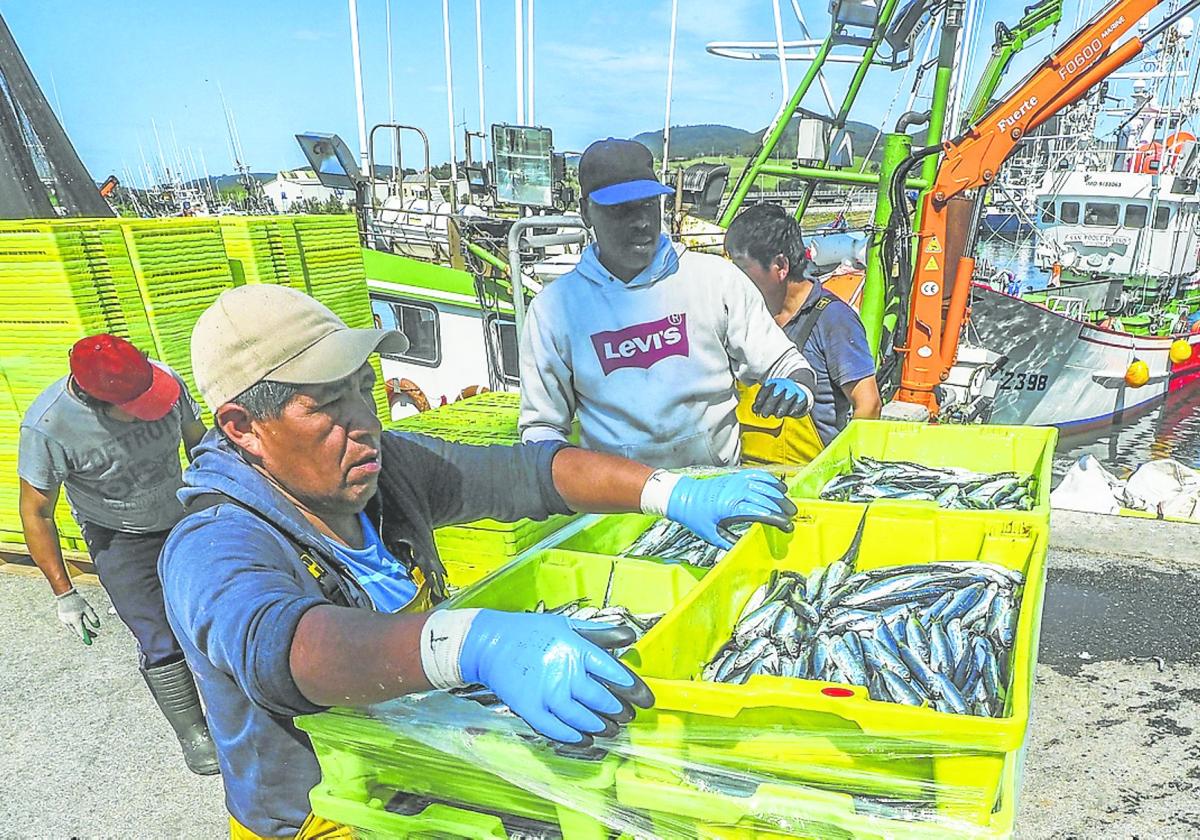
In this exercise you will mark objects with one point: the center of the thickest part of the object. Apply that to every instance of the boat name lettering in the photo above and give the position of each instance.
(1084, 57)
(1010, 121)
(1096, 182)
(642, 345)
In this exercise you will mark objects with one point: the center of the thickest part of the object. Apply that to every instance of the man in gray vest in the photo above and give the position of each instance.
(110, 433)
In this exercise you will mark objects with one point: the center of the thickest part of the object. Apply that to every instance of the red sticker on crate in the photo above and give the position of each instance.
(837, 692)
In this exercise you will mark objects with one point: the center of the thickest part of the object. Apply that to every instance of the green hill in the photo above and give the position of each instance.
(694, 141)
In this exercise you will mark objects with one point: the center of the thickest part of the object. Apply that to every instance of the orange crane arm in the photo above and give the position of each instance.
(973, 159)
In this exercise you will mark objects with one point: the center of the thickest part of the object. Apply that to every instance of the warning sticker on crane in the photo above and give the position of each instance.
(932, 265)
(933, 246)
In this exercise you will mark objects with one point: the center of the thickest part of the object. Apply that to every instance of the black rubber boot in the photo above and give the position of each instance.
(175, 692)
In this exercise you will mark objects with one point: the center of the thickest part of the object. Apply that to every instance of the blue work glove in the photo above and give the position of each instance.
(555, 673)
(708, 506)
(782, 398)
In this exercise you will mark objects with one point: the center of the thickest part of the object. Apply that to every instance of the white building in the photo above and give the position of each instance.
(293, 185)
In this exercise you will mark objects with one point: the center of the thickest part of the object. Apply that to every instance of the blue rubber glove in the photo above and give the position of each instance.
(782, 398)
(708, 506)
(554, 673)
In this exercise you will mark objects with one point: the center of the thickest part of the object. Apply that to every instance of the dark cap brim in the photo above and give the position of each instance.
(629, 191)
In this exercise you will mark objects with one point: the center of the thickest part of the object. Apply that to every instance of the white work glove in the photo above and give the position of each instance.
(76, 614)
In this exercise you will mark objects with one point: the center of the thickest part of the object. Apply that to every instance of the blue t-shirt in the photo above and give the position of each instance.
(838, 352)
(384, 578)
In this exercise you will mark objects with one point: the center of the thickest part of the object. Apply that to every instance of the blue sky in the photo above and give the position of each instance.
(112, 67)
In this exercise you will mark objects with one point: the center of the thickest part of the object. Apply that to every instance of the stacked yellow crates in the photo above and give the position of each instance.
(56, 286)
(146, 281)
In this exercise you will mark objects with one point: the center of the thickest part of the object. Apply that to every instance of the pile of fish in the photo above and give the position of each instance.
(950, 487)
(613, 614)
(669, 540)
(580, 611)
(935, 634)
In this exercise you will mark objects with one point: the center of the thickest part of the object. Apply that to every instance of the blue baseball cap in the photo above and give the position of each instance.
(618, 171)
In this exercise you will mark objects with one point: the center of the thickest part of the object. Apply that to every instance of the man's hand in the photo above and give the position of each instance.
(77, 614)
(553, 672)
(708, 506)
(782, 398)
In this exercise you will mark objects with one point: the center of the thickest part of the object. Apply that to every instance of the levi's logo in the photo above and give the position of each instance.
(642, 345)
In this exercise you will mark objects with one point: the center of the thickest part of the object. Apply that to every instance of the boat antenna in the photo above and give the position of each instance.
(670, 87)
(529, 58)
(387, 11)
(450, 106)
(520, 29)
(479, 75)
(356, 58)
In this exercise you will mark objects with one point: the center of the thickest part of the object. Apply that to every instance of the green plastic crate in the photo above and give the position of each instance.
(764, 811)
(1025, 450)
(829, 734)
(611, 534)
(363, 759)
(556, 577)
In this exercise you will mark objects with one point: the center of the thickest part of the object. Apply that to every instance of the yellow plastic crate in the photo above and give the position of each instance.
(1025, 450)
(835, 734)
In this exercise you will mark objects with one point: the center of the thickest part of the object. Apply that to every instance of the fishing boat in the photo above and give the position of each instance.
(1109, 325)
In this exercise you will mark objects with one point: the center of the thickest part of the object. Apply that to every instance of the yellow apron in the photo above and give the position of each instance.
(775, 440)
(319, 828)
(314, 828)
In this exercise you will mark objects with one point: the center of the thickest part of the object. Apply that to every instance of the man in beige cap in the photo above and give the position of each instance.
(303, 574)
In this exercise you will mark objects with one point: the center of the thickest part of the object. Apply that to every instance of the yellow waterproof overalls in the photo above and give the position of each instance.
(776, 440)
(319, 828)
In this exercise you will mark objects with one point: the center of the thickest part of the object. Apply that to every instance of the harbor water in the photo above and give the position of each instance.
(1170, 429)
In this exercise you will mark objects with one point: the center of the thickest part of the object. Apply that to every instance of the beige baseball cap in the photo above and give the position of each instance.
(257, 332)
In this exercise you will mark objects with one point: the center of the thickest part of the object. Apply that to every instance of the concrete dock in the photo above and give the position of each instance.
(1114, 747)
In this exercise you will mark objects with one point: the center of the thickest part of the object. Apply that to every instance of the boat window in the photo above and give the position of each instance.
(1162, 216)
(1069, 212)
(504, 333)
(1101, 215)
(419, 322)
(1135, 215)
(1047, 212)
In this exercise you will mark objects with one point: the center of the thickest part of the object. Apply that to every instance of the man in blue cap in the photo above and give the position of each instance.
(644, 339)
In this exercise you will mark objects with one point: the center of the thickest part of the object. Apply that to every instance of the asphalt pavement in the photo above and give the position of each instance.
(1113, 750)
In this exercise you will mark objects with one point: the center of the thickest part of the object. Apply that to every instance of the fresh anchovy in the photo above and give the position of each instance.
(868, 479)
(669, 540)
(937, 634)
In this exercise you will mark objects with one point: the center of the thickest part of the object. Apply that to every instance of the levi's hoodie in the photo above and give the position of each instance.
(649, 366)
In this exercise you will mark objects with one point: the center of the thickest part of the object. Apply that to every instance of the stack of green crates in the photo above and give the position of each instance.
(333, 274)
(471, 551)
(58, 283)
(146, 280)
(264, 249)
(369, 767)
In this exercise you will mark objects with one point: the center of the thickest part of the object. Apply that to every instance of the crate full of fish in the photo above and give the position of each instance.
(641, 535)
(888, 650)
(970, 467)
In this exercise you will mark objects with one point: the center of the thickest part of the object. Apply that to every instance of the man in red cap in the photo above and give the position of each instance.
(110, 432)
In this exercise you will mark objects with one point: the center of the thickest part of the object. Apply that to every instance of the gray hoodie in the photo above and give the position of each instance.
(649, 365)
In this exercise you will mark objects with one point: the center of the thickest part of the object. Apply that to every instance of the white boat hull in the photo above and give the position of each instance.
(1061, 371)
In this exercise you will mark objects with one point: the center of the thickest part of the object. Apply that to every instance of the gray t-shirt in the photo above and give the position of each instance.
(123, 476)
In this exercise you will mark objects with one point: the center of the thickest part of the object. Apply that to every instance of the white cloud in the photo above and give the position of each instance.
(309, 35)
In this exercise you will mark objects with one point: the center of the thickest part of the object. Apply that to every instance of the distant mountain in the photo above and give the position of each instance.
(691, 141)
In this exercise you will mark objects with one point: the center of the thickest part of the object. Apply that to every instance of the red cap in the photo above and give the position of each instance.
(113, 370)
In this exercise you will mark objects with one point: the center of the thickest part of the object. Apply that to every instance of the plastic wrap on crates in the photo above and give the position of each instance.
(489, 764)
(752, 752)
